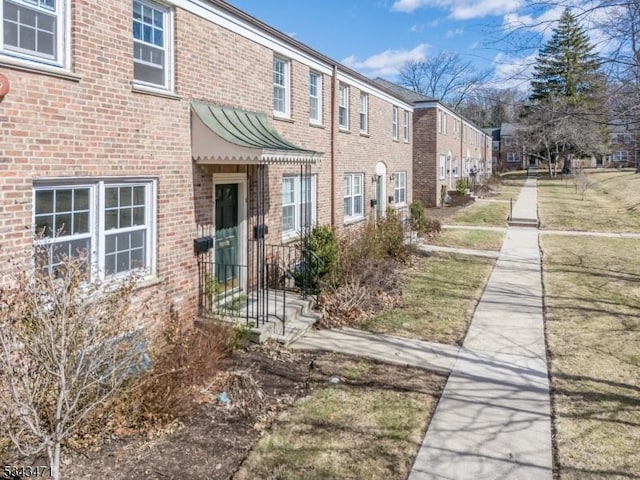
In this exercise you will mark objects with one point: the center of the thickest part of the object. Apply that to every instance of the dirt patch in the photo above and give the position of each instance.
(214, 442)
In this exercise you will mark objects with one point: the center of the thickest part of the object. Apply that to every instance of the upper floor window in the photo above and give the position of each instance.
(400, 192)
(281, 91)
(507, 141)
(315, 98)
(364, 113)
(151, 44)
(394, 127)
(405, 134)
(442, 122)
(109, 223)
(35, 30)
(343, 106)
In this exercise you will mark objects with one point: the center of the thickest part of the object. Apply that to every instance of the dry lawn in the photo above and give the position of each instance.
(592, 295)
(487, 214)
(611, 204)
(439, 297)
(463, 238)
(369, 425)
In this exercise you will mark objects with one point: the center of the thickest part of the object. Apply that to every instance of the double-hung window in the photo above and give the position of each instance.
(513, 157)
(298, 204)
(456, 167)
(315, 98)
(343, 106)
(364, 113)
(281, 91)
(405, 134)
(35, 30)
(152, 44)
(443, 166)
(109, 223)
(353, 184)
(394, 124)
(400, 193)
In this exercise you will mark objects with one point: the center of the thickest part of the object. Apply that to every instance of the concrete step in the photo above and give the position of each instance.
(523, 222)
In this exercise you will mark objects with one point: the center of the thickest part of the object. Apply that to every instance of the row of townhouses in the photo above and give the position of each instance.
(150, 134)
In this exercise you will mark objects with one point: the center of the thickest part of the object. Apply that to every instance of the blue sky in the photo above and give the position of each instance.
(375, 37)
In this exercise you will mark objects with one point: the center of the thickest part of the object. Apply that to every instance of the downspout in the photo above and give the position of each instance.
(332, 153)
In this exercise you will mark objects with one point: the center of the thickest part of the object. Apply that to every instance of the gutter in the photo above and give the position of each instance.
(332, 153)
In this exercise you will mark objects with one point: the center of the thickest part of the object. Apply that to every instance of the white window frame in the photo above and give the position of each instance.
(405, 135)
(400, 190)
(343, 106)
(283, 85)
(620, 156)
(97, 234)
(364, 113)
(513, 157)
(61, 58)
(456, 167)
(443, 166)
(297, 204)
(315, 97)
(350, 196)
(168, 39)
(394, 127)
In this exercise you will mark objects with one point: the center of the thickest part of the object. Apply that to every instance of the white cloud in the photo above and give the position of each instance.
(387, 63)
(461, 9)
(454, 33)
(513, 72)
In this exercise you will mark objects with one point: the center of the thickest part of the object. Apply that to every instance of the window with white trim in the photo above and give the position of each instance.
(443, 166)
(405, 134)
(620, 156)
(400, 192)
(343, 106)
(152, 43)
(112, 223)
(353, 192)
(281, 91)
(298, 203)
(394, 128)
(513, 157)
(315, 98)
(35, 30)
(364, 113)
(456, 167)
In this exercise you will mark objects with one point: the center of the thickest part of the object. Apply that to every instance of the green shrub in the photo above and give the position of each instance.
(418, 216)
(462, 185)
(324, 244)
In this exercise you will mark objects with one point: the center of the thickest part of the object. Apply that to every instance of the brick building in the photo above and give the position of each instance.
(132, 128)
(446, 147)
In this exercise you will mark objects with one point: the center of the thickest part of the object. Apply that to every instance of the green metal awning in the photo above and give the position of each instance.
(229, 135)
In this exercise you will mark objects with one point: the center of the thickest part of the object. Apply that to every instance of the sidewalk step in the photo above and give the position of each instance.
(523, 222)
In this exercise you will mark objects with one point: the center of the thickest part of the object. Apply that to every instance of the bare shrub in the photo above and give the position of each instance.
(67, 345)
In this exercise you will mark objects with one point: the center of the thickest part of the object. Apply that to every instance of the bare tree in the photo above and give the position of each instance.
(444, 76)
(491, 107)
(66, 346)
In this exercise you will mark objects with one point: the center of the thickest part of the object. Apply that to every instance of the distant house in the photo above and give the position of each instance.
(446, 147)
(623, 145)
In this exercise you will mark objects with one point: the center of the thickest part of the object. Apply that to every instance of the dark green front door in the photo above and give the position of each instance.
(226, 247)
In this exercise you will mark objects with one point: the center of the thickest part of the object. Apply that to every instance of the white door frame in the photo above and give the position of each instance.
(241, 180)
(381, 172)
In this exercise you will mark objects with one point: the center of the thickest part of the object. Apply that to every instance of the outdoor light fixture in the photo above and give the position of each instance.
(392, 177)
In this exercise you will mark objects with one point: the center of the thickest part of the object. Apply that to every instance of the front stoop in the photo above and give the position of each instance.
(298, 318)
(523, 222)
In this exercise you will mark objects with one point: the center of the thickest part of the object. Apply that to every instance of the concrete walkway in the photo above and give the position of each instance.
(493, 420)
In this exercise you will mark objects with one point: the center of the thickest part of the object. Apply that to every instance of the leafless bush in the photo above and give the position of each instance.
(66, 346)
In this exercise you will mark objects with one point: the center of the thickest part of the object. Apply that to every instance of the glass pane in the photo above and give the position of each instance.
(137, 10)
(27, 17)
(357, 185)
(10, 12)
(44, 201)
(148, 74)
(111, 219)
(347, 207)
(50, 4)
(138, 216)
(110, 244)
(288, 219)
(139, 195)
(147, 33)
(111, 197)
(138, 258)
(125, 196)
(125, 217)
(137, 30)
(137, 239)
(45, 43)
(81, 222)
(122, 262)
(44, 225)
(81, 199)
(158, 38)
(357, 205)
(28, 38)
(287, 191)
(63, 225)
(124, 241)
(46, 23)
(63, 200)
(10, 34)
(157, 18)
(347, 186)
(109, 264)
(147, 14)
